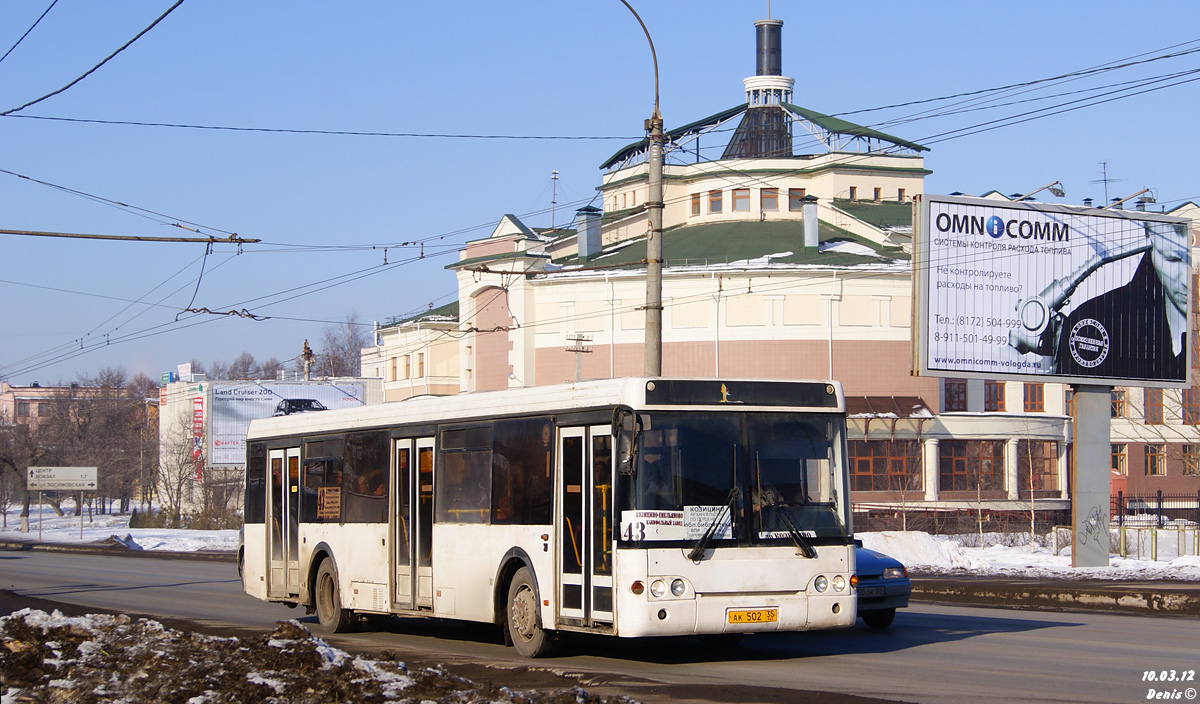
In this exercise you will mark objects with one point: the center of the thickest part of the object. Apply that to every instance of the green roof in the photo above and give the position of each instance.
(445, 313)
(881, 214)
(741, 242)
(828, 123)
(840, 126)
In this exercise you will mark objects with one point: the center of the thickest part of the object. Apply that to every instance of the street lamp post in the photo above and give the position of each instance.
(654, 208)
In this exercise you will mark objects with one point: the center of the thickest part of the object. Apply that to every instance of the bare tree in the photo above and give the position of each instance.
(218, 370)
(243, 367)
(142, 386)
(18, 450)
(342, 347)
(177, 467)
(8, 493)
(107, 378)
(269, 367)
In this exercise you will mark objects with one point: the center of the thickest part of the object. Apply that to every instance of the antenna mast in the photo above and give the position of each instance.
(553, 196)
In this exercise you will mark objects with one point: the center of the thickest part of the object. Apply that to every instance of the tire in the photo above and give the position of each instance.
(879, 619)
(524, 627)
(330, 614)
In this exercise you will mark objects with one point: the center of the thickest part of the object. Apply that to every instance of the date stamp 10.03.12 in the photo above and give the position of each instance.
(1170, 685)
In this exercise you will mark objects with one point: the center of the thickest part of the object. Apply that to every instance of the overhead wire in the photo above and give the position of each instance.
(339, 133)
(334, 281)
(95, 68)
(31, 28)
(161, 218)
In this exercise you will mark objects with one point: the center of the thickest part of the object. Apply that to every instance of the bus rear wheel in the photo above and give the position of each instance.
(330, 613)
(528, 636)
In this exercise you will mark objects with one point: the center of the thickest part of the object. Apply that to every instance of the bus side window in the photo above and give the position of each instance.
(464, 479)
(365, 484)
(255, 506)
(521, 478)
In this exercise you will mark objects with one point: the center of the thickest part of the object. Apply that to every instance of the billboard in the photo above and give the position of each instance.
(235, 404)
(1054, 293)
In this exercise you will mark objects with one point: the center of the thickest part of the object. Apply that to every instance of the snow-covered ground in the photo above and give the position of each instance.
(101, 658)
(100, 527)
(921, 552)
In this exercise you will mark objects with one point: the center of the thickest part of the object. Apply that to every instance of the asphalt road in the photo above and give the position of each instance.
(932, 653)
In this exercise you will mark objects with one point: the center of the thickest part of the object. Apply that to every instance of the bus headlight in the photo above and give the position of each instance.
(658, 588)
(839, 583)
(678, 587)
(821, 583)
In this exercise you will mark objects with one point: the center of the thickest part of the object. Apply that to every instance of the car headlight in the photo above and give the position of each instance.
(821, 583)
(894, 573)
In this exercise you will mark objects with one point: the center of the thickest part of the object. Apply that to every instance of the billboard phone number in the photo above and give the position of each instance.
(978, 321)
(970, 338)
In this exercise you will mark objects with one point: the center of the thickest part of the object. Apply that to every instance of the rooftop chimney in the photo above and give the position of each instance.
(587, 231)
(811, 222)
(765, 131)
(769, 44)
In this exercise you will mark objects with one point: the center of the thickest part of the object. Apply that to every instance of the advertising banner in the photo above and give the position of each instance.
(1057, 293)
(235, 404)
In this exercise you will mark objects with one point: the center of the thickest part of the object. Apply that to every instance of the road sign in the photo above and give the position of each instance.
(61, 479)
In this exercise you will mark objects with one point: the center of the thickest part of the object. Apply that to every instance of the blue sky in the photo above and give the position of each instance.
(533, 68)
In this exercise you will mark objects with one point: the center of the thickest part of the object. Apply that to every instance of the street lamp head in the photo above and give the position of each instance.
(1054, 187)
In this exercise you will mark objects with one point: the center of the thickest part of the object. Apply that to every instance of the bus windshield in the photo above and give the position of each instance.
(735, 478)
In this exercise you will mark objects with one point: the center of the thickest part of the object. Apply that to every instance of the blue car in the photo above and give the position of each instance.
(883, 587)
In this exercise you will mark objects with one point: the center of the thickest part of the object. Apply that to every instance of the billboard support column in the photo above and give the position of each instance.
(1090, 490)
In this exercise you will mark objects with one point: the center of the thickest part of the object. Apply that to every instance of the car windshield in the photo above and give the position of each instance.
(750, 478)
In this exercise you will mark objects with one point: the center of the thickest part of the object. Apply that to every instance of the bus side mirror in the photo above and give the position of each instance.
(626, 428)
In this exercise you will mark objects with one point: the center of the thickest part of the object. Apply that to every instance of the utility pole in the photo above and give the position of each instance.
(654, 207)
(307, 355)
(654, 250)
(579, 349)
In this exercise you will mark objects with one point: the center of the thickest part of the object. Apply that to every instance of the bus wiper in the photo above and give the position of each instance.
(768, 500)
(806, 548)
(702, 544)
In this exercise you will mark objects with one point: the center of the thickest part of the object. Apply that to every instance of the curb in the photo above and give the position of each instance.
(1168, 598)
(115, 549)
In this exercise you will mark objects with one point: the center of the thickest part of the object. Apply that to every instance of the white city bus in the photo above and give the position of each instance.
(627, 507)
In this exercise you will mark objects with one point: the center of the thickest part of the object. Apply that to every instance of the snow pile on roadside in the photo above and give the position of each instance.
(923, 553)
(919, 550)
(108, 528)
(52, 657)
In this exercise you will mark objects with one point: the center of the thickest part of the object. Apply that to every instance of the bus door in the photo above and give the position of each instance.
(283, 540)
(412, 523)
(585, 583)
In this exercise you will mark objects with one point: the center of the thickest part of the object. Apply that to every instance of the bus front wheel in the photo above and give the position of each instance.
(330, 613)
(528, 636)
(878, 619)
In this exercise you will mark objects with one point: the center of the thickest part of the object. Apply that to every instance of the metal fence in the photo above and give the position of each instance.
(1158, 508)
(1147, 542)
(964, 523)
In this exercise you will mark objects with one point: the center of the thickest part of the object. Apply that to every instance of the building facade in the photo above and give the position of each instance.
(789, 256)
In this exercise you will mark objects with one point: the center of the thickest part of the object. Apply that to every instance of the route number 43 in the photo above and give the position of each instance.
(634, 531)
